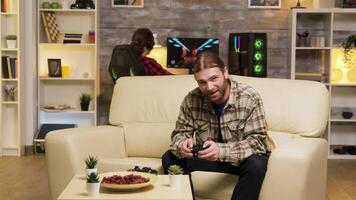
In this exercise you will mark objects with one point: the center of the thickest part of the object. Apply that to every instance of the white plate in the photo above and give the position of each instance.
(153, 178)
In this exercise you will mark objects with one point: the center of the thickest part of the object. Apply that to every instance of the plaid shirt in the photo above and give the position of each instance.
(152, 67)
(243, 124)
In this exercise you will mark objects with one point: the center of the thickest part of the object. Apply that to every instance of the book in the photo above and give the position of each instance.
(5, 73)
(8, 66)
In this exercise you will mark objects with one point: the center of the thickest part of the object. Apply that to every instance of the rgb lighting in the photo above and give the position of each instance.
(257, 68)
(258, 56)
(258, 43)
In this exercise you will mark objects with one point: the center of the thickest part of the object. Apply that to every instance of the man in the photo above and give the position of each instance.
(228, 120)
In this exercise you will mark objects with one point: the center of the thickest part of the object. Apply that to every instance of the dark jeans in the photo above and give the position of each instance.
(251, 172)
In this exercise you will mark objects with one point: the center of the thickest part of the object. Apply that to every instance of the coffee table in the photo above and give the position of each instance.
(76, 190)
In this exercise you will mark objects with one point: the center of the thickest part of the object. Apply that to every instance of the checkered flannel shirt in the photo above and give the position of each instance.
(152, 67)
(243, 124)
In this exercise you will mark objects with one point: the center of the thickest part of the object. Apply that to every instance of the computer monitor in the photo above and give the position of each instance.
(182, 52)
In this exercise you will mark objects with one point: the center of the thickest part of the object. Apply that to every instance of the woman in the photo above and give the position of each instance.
(143, 42)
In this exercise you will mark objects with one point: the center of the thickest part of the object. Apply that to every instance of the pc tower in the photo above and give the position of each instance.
(248, 54)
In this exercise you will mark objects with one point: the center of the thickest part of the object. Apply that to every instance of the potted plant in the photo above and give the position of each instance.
(93, 184)
(85, 101)
(11, 41)
(91, 163)
(348, 45)
(10, 92)
(175, 172)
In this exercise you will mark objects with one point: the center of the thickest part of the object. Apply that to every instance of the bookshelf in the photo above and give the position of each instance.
(12, 139)
(320, 58)
(79, 66)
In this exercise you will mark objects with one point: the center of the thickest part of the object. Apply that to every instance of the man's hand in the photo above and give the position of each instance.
(186, 148)
(211, 153)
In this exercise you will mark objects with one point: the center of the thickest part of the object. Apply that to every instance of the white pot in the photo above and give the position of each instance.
(11, 44)
(89, 171)
(93, 189)
(175, 181)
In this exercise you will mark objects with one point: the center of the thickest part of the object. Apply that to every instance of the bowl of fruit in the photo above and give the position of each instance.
(126, 180)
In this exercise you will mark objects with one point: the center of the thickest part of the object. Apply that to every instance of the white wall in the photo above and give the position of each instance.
(30, 86)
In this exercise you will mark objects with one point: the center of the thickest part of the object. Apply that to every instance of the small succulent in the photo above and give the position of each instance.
(91, 162)
(348, 46)
(85, 98)
(175, 170)
(11, 37)
(93, 178)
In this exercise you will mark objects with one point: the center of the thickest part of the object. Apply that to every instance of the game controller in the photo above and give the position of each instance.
(196, 148)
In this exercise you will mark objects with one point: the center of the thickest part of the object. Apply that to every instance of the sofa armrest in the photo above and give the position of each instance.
(66, 150)
(297, 170)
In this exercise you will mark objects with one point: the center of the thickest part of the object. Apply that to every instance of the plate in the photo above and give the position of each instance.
(153, 178)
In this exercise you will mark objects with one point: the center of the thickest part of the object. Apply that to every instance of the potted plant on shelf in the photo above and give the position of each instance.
(348, 45)
(93, 184)
(11, 41)
(10, 92)
(85, 101)
(175, 172)
(91, 162)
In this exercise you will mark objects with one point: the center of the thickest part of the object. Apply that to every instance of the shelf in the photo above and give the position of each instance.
(308, 74)
(335, 119)
(312, 48)
(90, 112)
(67, 10)
(343, 84)
(9, 79)
(10, 102)
(9, 13)
(332, 155)
(7, 49)
(70, 44)
(65, 79)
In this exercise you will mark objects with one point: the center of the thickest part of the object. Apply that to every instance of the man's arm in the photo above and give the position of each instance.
(182, 135)
(255, 136)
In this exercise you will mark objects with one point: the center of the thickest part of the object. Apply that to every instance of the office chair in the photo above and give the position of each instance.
(125, 62)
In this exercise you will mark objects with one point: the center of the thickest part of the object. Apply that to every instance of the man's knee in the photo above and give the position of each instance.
(256, 165)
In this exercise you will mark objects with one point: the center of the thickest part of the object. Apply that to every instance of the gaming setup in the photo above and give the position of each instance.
(247, 54)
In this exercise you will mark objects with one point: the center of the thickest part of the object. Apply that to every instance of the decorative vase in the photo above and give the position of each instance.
(93, 189)
(9, 97)
(89, 171)
(84, 106)
(175, 180)
(11, 44)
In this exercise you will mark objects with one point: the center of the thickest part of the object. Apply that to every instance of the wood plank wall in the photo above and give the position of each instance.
(192, 18)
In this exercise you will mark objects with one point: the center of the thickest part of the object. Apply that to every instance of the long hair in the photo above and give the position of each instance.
(207, 60)
(142, 37)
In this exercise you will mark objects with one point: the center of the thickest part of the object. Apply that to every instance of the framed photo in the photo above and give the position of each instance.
(264, 4)
(54, 67)
(127, 3)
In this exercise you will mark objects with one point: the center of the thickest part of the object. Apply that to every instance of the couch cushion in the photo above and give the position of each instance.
(147, 139)
(123, 164)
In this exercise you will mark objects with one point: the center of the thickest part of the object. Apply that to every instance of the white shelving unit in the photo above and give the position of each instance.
(82, 59)
(12, 139)
(323, 61)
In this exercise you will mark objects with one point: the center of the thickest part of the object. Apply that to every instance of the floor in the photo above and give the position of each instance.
(25, 178)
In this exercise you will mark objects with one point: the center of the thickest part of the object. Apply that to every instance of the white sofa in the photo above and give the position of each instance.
(143, 113)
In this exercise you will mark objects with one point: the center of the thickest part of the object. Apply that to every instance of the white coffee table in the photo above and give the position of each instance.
(76, 189)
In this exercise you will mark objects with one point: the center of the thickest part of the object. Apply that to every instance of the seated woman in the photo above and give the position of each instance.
(143, 42)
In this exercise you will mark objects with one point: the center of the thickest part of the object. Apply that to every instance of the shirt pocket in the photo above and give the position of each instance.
(202, 130)
(234, 131)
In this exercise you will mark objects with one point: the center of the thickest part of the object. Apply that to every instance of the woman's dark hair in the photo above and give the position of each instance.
(207, 60)
(142, 37)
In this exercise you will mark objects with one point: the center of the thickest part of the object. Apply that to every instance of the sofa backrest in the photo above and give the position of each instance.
(147, 107)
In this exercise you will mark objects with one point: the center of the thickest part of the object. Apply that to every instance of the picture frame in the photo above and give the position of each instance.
(274, 4)
(127, 3)
(54, 67)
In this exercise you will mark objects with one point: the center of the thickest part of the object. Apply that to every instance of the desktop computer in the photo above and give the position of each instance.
(247, 54)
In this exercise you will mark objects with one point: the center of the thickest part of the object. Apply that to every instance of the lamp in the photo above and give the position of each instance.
(298, 5)
(157, 43)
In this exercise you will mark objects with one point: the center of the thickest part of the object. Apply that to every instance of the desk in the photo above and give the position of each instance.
(76, 190)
